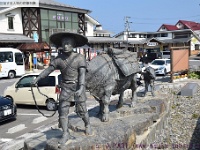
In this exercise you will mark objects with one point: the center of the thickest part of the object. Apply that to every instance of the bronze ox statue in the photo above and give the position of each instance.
(109, 74)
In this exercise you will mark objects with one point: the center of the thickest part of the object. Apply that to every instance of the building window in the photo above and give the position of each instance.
(142, 36)
(132, 36)
(197, 46)
(56, 21)
(44, 14)
(181, 35)
(164, 35)
(10, 23)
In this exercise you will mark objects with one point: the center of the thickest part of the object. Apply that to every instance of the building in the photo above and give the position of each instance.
(44, 20)
(183, 33)
(25, 25)
(30, 27)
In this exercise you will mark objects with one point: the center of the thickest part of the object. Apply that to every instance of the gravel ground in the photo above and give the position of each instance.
(183, 124)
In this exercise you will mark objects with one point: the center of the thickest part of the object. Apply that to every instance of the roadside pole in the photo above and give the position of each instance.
(30, 61)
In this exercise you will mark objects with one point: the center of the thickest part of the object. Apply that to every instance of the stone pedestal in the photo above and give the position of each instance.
(119, 133)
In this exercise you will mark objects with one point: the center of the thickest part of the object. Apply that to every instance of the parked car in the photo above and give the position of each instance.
(161, 66)
(20, 92)
(8, 109)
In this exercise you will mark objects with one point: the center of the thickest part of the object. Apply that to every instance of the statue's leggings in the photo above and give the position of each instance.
(63, 112)
(151, 84)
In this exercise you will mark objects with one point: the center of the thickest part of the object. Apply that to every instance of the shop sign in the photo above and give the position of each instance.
(60, 17)
(152, 43)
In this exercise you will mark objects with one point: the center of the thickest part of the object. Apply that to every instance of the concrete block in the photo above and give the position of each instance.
(189, 89)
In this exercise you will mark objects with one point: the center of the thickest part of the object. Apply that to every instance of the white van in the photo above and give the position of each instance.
(11, 63)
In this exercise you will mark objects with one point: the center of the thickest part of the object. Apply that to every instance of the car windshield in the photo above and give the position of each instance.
(158, 62)
(166, 53)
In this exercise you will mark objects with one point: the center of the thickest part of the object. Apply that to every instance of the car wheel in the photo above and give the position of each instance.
(51, 104)
(11, 74)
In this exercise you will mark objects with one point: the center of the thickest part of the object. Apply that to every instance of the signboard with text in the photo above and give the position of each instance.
(19, 3)
(152, 44)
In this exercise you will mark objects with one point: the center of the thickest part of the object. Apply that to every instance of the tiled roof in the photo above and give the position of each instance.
(187, 25)
(14, 38)
(34, 47)
(102, 32)
(190, 24)
(52, 2)
(170, 27)
(2, 8)
(103, 40)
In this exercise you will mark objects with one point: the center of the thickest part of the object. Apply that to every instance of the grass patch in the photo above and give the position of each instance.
(195, 116)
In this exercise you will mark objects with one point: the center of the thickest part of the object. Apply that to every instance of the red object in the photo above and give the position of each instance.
(57, 90)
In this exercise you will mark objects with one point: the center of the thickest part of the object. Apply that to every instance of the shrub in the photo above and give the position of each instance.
(194, 75)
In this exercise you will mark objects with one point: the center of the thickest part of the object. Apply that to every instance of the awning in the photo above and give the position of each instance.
(14, 38)
(34, 47)
(180, 40)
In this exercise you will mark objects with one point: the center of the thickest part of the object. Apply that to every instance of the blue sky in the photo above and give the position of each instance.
(145, 15)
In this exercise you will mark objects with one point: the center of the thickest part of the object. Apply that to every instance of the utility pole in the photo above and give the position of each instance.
(127, 28)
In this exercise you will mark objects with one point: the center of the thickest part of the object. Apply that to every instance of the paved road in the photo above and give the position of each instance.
(194, 64)
(28, 118)
(194, 57)
(4, 83)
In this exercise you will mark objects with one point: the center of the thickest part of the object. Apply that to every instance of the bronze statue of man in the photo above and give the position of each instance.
(73, 70)
(149, 77)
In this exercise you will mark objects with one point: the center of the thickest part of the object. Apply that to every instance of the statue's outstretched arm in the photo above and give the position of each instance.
(44, 73)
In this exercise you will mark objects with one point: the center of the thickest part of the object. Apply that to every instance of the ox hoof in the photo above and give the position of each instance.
(105, 118)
